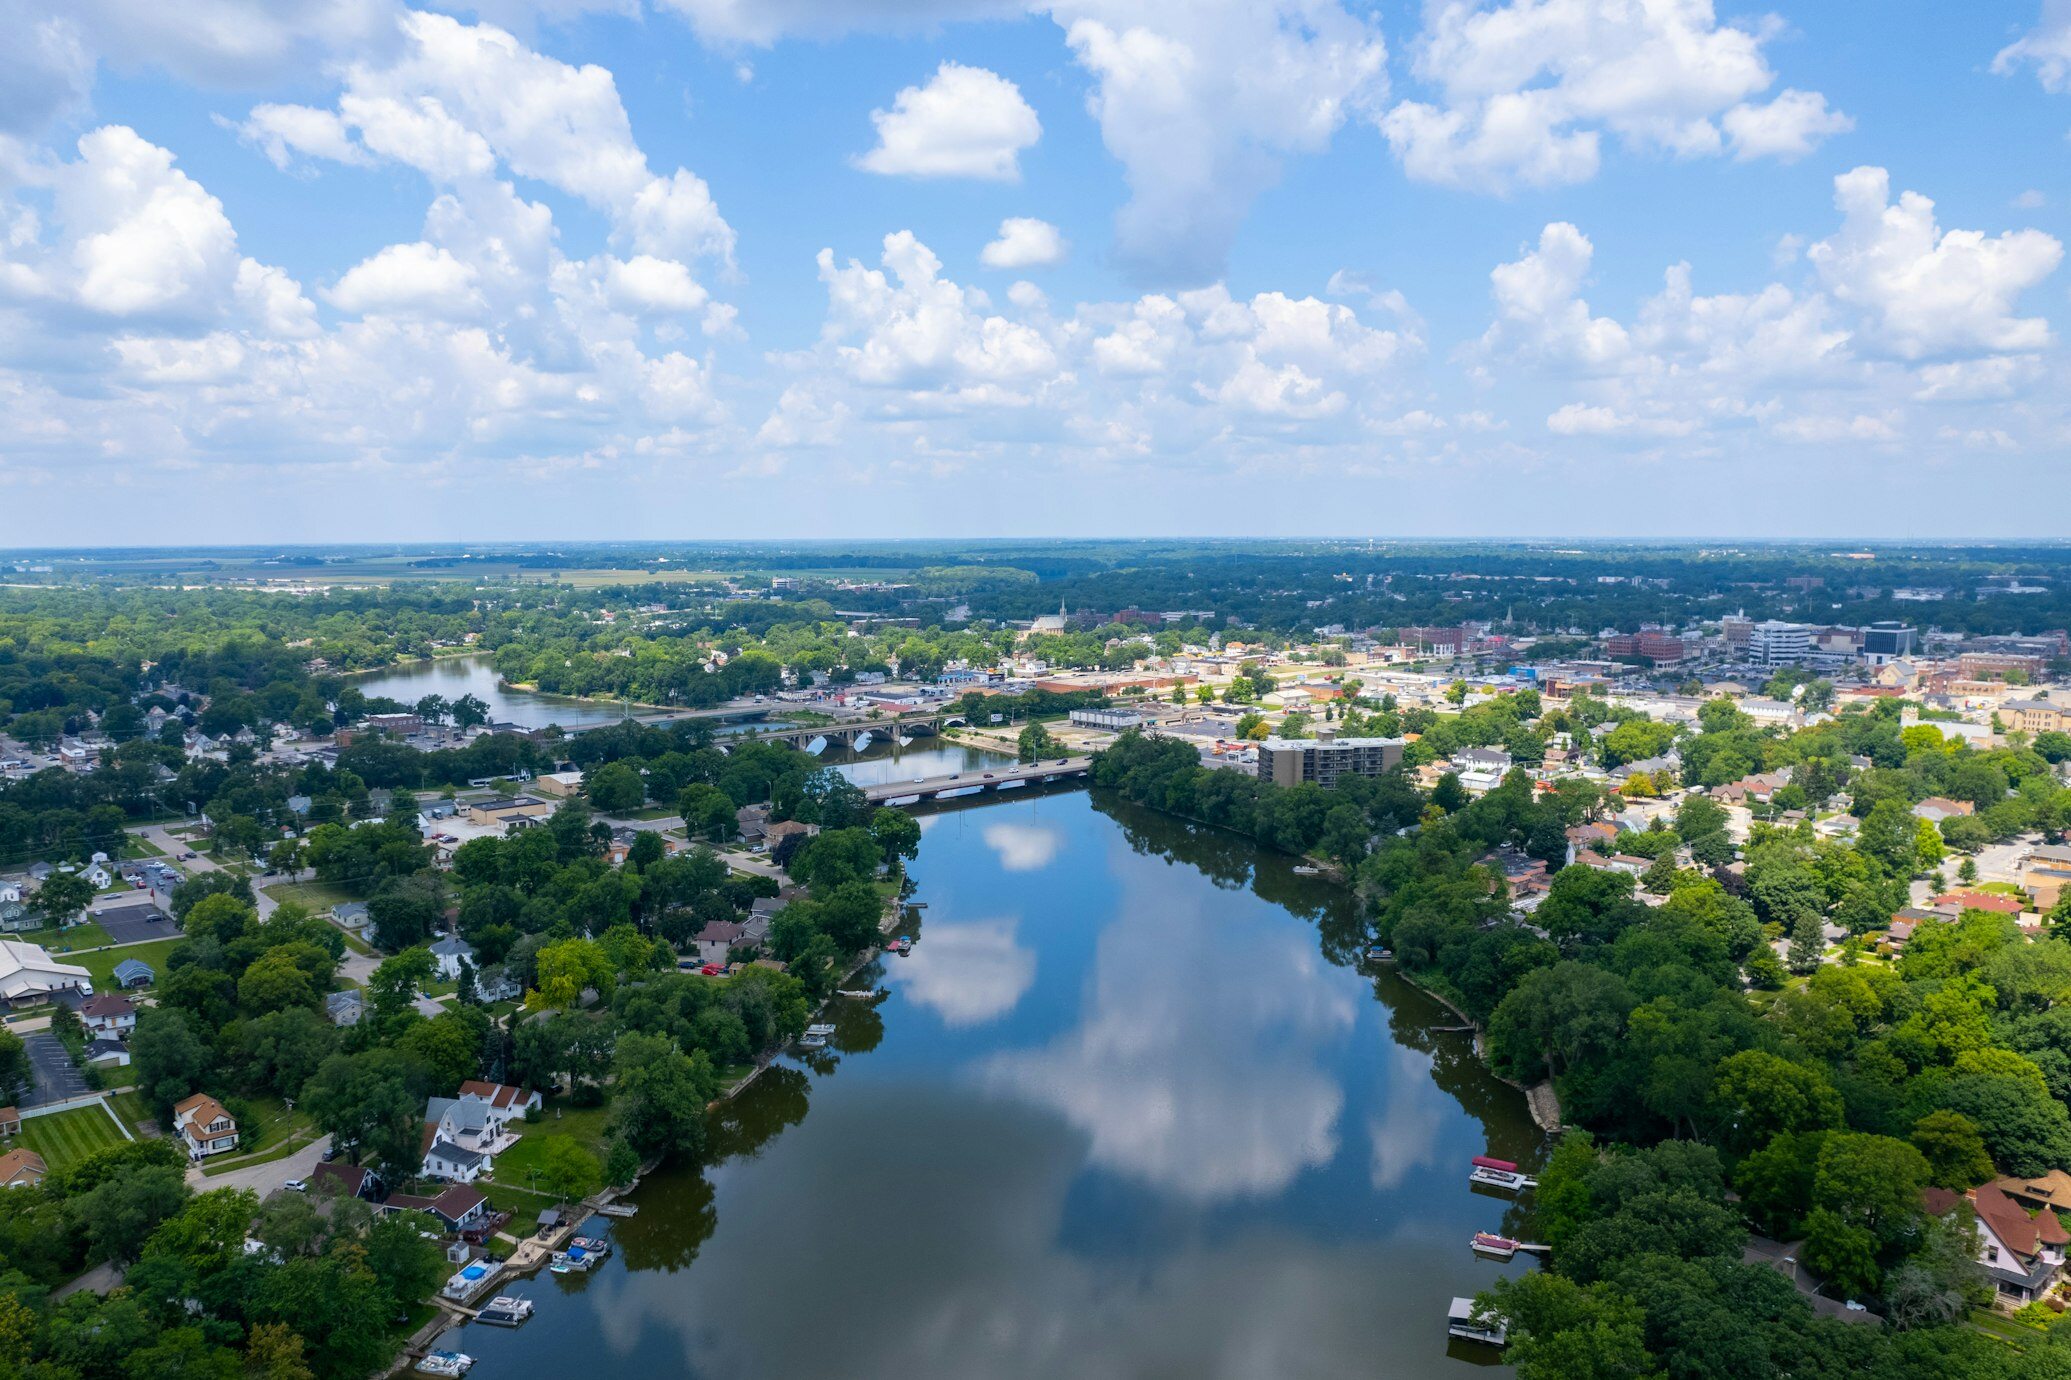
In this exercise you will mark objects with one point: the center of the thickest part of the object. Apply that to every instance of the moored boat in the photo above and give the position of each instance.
(1487, 1243)
(505, 1310)
(1503, 1175)
(448, 1363)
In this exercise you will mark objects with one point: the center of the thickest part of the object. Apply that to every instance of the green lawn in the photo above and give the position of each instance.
(86, 936)
(586, 1126)
(140, 847)
(101, 962)
(317, 896)
(64, 1138)
(133, 1109)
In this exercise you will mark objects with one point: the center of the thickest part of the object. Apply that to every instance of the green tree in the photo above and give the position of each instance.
(119, 1214)
(60, 898)
(1035, 743)
(1955, 1151)
(615, 787)
(567, 1171)
(168, 1059)
(659, 1108)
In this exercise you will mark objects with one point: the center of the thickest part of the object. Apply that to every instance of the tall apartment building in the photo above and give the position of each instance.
(1772, 643)
(1322, 760)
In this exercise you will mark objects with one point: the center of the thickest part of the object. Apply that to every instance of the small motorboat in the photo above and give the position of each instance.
(593, 1247)
(901, 946)
(859, 994)
(448, 1363)
(1487, 1243)
(1307, 871)
(1380, 955)
(561, 1264)
(505, 1310)
(811, 1041)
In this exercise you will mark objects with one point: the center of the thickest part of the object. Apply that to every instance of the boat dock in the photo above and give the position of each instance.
(1460, 1323)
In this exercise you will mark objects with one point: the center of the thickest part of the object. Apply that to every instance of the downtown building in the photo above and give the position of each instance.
(1322, 760)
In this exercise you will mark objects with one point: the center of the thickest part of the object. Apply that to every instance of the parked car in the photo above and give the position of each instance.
(296, 1186)
(713, 969)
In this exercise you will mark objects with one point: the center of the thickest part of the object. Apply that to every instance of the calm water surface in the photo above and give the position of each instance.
(454, 676)
(1126, 1111)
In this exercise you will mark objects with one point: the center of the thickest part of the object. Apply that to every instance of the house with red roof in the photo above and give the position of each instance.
(1980, 900)
(2023, 1255)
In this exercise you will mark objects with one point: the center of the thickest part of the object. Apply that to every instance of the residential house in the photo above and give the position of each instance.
(107, 1053)
(352, 915)
(1937, 808)
(1590, 838)
(134, 972)
(28, 974)
(464, 1134)
(449, 952)
(22, 1169)
(206, 1125)
(505, 1101)
(2023, 1256)
(15, 917)
(1957, 902)
(1905, 922)
(716, 940)
(10, 1121)
(111, 1015)
(457, 1208)
(346, 1180)
(346, 1007)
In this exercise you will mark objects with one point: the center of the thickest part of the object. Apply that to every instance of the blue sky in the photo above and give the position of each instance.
(354, 269)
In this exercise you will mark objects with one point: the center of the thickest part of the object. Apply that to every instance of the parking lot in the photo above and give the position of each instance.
(56, 1078)
(130, 924)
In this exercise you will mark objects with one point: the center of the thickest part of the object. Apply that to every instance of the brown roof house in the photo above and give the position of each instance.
(2023, 1256)
(206, 1125)
(22, 1169)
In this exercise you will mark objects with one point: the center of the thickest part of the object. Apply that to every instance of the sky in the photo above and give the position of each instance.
(343, 270)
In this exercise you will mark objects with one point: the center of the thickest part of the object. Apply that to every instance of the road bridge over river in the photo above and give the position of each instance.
(934, 787)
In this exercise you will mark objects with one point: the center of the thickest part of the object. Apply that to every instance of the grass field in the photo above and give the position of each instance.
(317, 896)
(86, 936)
(64, 1138)
(586, 1126)
(133, 1109)
(101, 962)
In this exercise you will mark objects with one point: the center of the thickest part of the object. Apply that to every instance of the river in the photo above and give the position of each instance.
(454, 676)
(1128, 1110)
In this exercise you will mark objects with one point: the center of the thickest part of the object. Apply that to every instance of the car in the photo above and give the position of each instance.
(296, 1186)
(186, 857)
(1854, 1307)
(713, 969)
(988, 776)
(330, 1153)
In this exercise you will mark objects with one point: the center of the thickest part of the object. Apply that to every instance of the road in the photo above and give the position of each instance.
(266, 1178)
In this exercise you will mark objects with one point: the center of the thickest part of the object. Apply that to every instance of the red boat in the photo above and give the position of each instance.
(1493, 1246)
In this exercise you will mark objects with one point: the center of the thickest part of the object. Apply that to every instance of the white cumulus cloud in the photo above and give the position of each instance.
(1526, 90)
(966, 122)
(1024, 243)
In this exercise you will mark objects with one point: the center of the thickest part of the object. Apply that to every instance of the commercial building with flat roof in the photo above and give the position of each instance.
(1321, 761)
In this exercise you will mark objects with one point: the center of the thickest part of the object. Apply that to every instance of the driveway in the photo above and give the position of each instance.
(263, 1179)
(56, 1078)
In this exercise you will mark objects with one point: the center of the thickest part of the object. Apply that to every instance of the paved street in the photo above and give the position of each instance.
(266, 1178)
(56, 1078)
